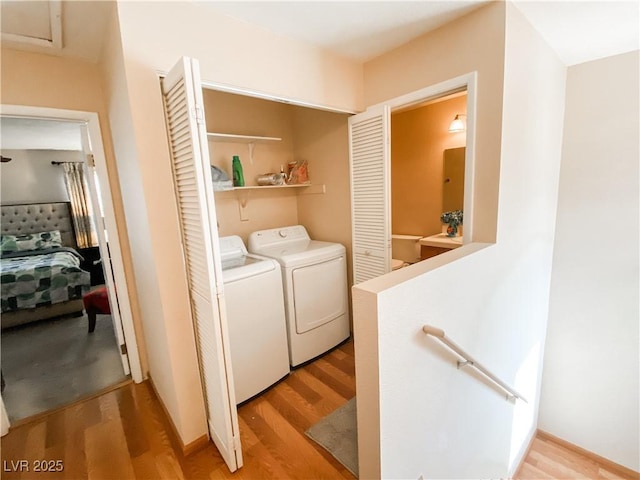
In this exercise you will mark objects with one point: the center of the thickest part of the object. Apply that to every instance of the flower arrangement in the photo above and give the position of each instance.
(454, 219)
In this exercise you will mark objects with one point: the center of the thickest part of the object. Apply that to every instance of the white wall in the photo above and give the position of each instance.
(30, 177)
(590, 386)
(435, 420)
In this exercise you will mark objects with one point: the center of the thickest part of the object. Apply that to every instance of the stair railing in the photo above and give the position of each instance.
(468, 361)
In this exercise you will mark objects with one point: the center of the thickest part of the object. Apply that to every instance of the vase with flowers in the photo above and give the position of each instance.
(453, 220)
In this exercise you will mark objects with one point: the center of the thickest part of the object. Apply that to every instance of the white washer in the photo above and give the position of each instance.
(255, 314)
(315, 289)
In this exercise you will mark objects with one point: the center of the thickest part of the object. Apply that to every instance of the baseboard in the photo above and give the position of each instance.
(197, 445)
(612, 466)
(186, 449)
(525, 455)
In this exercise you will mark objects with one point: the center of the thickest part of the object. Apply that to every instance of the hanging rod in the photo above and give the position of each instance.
(511, 393)
(53, 162)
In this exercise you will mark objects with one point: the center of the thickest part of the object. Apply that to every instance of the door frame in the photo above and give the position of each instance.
(93, 182)
(92, 122)
(468, 81)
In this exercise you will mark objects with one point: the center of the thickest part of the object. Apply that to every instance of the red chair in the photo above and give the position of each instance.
(96, 302)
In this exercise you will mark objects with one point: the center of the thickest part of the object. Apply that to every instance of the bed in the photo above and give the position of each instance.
(40, 266)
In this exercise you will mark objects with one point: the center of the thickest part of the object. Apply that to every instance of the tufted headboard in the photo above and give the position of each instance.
(38, 217)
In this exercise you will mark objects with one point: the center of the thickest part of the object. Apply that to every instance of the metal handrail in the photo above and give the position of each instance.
(512, 393)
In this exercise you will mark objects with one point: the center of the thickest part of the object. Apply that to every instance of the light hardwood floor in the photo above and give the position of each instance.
(124, 434)
(549, 459)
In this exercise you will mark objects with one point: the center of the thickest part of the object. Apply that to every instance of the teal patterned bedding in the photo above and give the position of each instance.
(31, 279)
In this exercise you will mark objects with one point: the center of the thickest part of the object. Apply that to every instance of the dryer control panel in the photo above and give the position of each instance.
(277, 236)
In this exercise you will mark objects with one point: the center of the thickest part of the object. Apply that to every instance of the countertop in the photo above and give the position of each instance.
(441, 240)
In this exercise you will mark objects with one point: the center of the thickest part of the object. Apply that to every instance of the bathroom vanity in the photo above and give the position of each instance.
(437, 244)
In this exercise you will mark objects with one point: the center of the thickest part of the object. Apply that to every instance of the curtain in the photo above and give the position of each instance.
(81, 210)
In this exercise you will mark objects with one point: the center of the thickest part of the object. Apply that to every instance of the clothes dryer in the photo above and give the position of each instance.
(314, 277)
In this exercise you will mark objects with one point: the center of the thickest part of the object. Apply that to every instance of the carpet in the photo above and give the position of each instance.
(338, 434)
(54, 362)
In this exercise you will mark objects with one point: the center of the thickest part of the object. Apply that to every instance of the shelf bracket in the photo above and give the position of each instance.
(251, 146)
(243, 201)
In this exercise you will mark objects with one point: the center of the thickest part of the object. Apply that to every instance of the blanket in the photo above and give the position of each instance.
(29, 281)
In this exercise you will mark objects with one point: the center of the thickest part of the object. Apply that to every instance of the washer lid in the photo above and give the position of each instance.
(294, 254)
(231, 247)
(238, 268)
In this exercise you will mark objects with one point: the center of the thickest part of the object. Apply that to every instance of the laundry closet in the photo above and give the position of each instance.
(301, 232)
(266, 135)
(306, 309)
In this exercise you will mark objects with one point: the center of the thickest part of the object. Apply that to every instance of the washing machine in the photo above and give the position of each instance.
(314, 276)
(256, 318)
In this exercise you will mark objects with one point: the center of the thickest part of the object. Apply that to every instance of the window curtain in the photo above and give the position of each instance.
(81, 210)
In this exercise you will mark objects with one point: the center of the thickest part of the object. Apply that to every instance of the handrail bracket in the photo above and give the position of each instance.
(464, 364)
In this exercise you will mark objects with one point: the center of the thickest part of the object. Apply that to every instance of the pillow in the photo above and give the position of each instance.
(30, 241)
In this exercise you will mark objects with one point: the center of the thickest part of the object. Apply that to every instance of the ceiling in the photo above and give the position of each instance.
(579, 31)
(360, 30)
(582, 31)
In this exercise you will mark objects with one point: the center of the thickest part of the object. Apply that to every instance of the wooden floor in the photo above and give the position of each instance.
(549, 459)
(124, 434)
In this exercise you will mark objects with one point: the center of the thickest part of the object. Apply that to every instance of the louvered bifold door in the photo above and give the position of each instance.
(369, 145)
(196, 208)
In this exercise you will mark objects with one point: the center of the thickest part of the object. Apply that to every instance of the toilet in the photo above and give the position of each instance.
(405, 250)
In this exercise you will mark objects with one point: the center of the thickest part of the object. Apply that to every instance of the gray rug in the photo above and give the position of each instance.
(54, 362)
(338, 434)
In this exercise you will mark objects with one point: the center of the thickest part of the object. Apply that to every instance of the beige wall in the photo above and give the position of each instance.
(147, 189)
(39, 80)
(317, 136)
(418, 140)
(152, 37)
(322, 138)
(472, 43)
(242, 115)
(492, 299)
(237, 54)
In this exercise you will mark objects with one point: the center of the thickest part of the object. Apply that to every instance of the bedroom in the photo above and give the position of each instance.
(57, 316)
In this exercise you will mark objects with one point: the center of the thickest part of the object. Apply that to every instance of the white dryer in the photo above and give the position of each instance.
(255, 315)
(315, 288)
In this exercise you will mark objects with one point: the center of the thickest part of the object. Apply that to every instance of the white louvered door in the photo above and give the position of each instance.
(369, 144)
(196, 208)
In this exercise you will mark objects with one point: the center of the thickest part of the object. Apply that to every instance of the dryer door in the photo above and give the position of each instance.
(319, 293)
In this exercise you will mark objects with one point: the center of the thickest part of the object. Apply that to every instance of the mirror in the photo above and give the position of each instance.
(453, 179)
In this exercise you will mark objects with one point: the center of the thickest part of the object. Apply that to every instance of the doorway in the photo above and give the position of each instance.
(370, 149)
(92, 360)
(427, 178)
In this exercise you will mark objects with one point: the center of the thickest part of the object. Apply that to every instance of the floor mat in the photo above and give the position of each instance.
(338, 434)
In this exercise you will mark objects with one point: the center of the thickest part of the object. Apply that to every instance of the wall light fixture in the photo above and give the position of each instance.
(457, 125)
